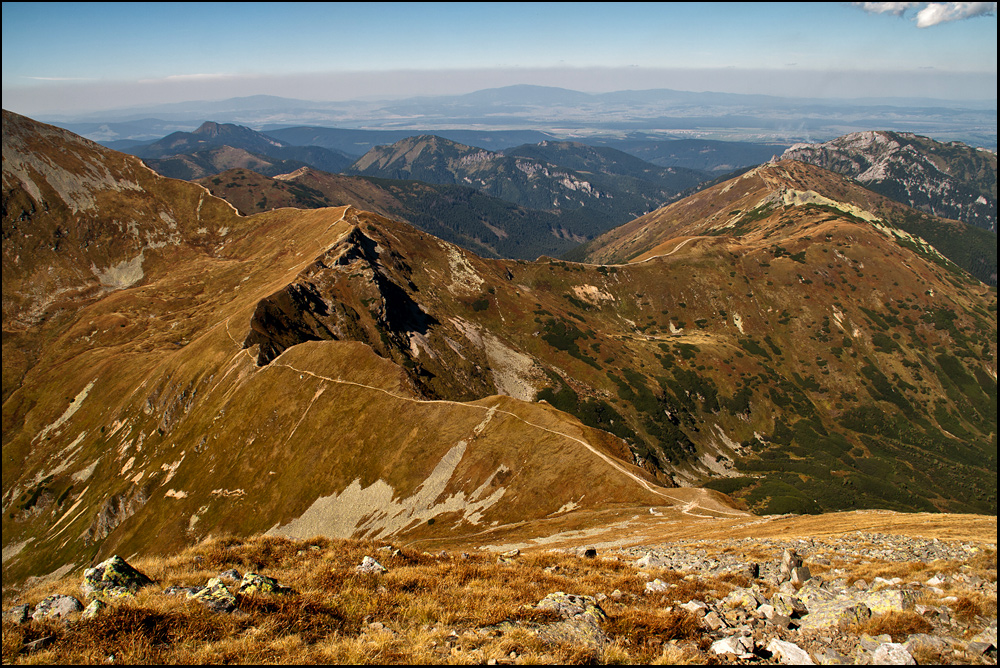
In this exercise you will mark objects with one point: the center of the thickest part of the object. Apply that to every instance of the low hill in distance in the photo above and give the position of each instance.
(214, 136)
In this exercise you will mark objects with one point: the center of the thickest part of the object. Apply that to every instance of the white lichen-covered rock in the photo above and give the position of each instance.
(369, 565)
(738, 645)
(892, 654)
(789, 653)
(58, 606)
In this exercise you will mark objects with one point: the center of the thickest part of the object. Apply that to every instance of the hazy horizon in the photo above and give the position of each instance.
(79, 58)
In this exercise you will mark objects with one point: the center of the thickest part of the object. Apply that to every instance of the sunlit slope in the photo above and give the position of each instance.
(151, 414)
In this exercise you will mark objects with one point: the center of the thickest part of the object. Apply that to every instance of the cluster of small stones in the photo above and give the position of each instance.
(805, 618)
(115, 580)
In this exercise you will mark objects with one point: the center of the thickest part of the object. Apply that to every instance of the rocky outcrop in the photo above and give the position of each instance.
(948, 180)
(113, 577)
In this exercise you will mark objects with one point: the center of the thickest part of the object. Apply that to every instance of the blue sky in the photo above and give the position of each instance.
(78, 56)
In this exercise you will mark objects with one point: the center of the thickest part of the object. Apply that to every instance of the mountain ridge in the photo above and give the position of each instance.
(242, 381)
(949, 180)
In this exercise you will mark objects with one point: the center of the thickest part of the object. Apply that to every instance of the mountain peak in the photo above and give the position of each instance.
(949, 180)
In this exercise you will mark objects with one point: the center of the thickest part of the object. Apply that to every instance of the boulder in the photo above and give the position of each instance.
(799, 575)
(892, 654)
(738, 645)
(789, 653)
(56, 607)
(253, 583)
(581, 623)
(790, 606)
(743, 599)
(713, 621)
(179, 590)
(834, 614)
(571, 606)
(113, 574)
(789, 560)
(696, 608)
(19, 614)
(889, 600)
(215, 595)
(656, 586)
(93, 608)
(369, 565)
(988, 635)
(650, 560)
(232, 575)
(830, 657)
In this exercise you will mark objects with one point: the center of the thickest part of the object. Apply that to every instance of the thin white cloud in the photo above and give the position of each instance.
(187, 77)
(61, 78)
(929, 14)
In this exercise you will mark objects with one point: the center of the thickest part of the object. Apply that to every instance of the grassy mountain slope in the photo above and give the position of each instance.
(880, 353)
(143, 416)
(788, 346)
(487, 226)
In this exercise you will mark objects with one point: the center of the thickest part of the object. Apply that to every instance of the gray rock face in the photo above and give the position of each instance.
(56, 607)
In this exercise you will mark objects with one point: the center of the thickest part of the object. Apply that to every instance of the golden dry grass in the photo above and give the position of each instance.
(429, 608)
(898, 624)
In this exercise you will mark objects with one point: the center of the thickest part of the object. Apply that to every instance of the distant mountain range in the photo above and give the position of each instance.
(647, 114)
(543, 198)
(606, 188)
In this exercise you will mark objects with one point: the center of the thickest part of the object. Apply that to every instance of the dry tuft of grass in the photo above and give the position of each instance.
(972, 605)
(898, 624)
(647, 631)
